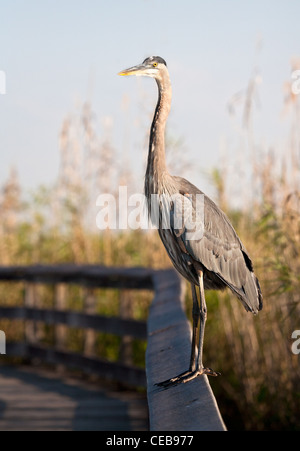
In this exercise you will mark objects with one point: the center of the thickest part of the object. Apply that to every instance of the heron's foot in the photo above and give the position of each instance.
(187, 377)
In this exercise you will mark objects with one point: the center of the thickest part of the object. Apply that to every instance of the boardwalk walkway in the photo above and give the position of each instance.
(39, 400)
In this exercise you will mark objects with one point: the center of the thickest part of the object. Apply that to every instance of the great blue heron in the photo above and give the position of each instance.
(215, 260)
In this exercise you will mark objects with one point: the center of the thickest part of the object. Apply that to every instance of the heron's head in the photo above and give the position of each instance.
(153, 67)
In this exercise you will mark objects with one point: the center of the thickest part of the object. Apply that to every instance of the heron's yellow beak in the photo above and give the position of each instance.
(135, 70)
(124, 73)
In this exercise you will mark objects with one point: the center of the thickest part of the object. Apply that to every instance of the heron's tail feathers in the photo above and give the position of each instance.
(250, 293)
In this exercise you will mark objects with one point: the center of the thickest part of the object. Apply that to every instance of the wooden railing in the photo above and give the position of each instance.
(184, 407)
(189, 406)
(89, 277)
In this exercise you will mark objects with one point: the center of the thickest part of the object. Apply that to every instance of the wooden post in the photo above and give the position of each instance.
(30, 302)
(126, 312)
(60, 300)
(90, 334)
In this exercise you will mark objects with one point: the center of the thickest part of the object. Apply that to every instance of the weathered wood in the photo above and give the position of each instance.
(60, 303)
(89, 301)
(35, 399)
(30, 302)
(190, 406)
(126, 312)
(100, 323)
(185, 407)
(113, 371)
(86, 275)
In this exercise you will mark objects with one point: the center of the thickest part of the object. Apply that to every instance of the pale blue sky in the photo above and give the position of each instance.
(50, 50)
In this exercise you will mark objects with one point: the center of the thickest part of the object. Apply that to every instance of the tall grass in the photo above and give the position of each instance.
(262, 373)
(259, 387)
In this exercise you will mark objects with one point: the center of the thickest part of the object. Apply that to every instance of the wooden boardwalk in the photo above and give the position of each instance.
(32, 399)
(40, 400)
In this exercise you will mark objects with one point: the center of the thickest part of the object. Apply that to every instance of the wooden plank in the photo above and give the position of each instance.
(113, 371)
(185, 407)
(126, 312)
(30, 300)
(89, 300)
(60, 302)
(33, 399)
(100, 323)
(87, 275)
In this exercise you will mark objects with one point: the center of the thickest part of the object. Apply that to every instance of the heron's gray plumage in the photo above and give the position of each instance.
(216, 259)
(220, 252)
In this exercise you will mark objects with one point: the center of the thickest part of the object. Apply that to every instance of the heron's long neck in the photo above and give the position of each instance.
(156, 167)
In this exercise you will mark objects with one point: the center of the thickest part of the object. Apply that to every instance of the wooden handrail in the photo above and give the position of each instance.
(100, 323)
(184, 407)
(84, 275)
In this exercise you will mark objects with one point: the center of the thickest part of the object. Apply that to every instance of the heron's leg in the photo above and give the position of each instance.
(196, 365)
(203, 318)
(196, 317)
(200, 369)
(195, 339)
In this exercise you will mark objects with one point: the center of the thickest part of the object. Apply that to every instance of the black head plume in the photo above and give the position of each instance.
(155, 59)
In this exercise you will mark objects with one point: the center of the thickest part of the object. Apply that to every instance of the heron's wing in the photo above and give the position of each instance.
(214, 243)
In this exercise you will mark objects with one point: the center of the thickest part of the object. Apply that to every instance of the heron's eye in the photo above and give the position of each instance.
(154, 64)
